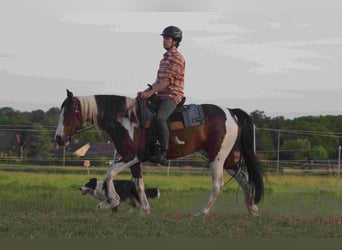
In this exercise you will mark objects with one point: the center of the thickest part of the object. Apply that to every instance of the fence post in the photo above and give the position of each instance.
(339, 167)
(278, 151)
(168, 167)
(63, 163)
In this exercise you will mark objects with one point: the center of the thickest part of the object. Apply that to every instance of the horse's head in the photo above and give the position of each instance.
(70, 120)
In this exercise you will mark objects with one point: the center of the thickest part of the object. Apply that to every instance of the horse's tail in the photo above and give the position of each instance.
(255, 175)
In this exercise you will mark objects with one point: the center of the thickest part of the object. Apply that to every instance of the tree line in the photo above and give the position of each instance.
(302, 138)
(299, 139)
(29, 137)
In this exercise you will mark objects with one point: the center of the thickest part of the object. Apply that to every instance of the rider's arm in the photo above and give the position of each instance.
(160, 85)
(157, 86)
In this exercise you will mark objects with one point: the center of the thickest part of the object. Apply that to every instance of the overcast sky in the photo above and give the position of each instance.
(280, 57)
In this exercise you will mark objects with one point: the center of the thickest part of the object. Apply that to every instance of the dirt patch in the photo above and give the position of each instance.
(331, 220)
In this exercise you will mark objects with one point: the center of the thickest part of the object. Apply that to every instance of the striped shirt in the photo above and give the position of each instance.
(172, 66)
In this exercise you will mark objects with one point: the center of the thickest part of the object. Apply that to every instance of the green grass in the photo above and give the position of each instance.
(47, 204)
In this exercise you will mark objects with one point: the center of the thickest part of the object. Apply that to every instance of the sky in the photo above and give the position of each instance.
(280, 57)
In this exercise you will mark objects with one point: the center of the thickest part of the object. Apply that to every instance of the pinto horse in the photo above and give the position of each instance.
(222, 130)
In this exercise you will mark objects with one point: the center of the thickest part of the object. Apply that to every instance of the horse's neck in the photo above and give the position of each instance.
(89, 109)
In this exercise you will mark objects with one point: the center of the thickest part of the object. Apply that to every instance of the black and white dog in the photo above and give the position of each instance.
(126, 190)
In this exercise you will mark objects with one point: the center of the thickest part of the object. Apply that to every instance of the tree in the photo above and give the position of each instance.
(259, 118)
(6, 115)
(317, 133)
(52, 117)
(296, 149)
(263, 137)
(37, 116)
(318, 152)
(37, 145)
(264, 144)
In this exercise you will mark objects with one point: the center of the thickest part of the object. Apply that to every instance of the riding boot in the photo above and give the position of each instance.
(163, 158)
(160, 157)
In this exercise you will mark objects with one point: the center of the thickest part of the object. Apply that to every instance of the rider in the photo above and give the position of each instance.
(169, 85)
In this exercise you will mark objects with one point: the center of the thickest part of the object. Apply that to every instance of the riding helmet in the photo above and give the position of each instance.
(174, 32)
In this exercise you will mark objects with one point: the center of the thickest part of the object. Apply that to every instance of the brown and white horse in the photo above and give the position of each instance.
(223, 129)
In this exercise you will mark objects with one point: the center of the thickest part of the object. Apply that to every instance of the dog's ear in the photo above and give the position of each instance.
(92, 183)
(93, 180)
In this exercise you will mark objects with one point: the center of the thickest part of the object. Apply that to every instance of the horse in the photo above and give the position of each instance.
(223, 130)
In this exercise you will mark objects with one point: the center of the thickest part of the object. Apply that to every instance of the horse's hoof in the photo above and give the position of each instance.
(253, 210)
(115, 209)
(144, 212)
(203, 212)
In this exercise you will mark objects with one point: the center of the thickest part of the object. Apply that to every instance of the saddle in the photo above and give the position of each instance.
(184, 116)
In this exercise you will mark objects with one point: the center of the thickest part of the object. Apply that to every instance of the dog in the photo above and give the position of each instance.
(125, 189)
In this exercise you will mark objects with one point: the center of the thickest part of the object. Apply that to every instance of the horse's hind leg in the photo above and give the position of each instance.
(237, 173)
(218, 158)
(216, 170)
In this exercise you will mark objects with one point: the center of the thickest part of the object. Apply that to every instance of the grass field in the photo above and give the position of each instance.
(44, 202)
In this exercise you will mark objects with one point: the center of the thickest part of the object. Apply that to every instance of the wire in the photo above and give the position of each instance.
(303, 132)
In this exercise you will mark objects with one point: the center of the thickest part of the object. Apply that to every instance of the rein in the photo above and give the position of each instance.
(85, 129)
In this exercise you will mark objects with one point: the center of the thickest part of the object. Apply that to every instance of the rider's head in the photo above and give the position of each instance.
(174, 32)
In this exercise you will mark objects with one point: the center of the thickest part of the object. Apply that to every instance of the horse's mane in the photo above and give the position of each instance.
(89, 109)
(113, 106)
(131, 110)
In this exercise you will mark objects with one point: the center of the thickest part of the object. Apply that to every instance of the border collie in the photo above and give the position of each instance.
(126, 190)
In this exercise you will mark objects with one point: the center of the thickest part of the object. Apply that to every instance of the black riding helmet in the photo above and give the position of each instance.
(174, 32)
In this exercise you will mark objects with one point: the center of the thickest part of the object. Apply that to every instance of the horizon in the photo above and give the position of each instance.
(280, 58)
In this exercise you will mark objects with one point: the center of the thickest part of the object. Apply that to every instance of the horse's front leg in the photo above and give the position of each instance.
(112, 197)
(216, 170)
(145, 205)
(242, 179)
(140, 187)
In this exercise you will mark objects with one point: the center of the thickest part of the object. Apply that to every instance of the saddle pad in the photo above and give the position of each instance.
(193, 115)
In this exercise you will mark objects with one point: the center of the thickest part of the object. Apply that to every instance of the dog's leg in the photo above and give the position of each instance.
(112, 197)
(145, 206)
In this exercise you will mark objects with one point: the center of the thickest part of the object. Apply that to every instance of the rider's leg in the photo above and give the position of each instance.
(166, 107)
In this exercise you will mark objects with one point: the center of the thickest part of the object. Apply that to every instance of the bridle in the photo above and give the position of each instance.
(75, 112)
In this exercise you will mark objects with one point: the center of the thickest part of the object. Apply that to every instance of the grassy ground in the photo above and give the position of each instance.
(41, 204)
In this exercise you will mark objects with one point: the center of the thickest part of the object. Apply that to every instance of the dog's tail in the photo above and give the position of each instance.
(152, 193)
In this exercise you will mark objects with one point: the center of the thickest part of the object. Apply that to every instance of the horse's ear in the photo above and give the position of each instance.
(69, 94)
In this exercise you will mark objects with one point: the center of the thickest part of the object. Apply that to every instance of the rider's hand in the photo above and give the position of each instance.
(144, 95)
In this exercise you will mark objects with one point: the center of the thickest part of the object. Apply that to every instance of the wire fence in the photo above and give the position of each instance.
(56, 157)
